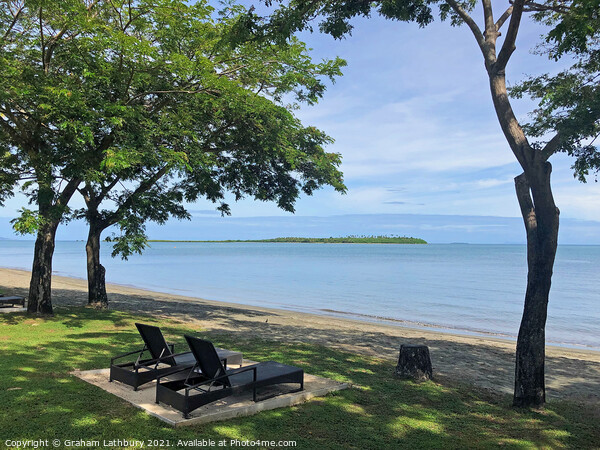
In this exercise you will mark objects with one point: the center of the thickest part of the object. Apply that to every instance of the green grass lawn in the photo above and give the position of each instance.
(40, 400)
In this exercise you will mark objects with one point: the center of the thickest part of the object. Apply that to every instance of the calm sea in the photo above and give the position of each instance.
(458, 288)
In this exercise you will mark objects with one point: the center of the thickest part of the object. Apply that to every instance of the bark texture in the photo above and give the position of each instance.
(414, 362)
(541, 219)
(96, 272)
(40, 287)
(50, 213)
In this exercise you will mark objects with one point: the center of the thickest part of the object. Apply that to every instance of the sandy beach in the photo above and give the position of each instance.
(484, 362)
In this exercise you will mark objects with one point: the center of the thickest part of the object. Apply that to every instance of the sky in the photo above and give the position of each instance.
(413, 120)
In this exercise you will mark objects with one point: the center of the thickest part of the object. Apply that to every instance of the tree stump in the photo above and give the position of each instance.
(414, 362)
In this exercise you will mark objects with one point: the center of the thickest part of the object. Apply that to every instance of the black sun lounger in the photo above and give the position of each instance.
(208, 380)
(13, 300)
(162, 359)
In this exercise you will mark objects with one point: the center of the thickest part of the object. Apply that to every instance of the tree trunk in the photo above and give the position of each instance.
(51, 209)
(95, 271)
(40, 287)
(414, 362)
(541, 217)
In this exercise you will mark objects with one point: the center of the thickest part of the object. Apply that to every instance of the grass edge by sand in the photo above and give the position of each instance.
(42, 401)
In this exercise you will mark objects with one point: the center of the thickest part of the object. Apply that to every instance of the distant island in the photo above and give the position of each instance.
(329, 240)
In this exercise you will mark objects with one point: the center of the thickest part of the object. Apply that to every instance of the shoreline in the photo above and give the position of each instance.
(484, 361)
(343, 315)
(324, 313)
(443, 296)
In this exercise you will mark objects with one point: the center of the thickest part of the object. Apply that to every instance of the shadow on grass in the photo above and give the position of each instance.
(41, 400)
(487, 366)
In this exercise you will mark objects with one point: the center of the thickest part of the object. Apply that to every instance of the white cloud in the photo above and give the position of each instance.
(470, 228)
(493, 182)
(399, 137)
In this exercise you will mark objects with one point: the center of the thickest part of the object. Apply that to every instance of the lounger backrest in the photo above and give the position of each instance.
(207, 358)
(155, 342)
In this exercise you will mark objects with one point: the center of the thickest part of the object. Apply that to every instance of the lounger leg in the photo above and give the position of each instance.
(186, 413)
(254, 394)
(301, 388)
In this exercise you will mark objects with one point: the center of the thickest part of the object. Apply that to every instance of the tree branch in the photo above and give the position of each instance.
(14, 21)
(175, 91)
(85, 193)
(488, 15)
(508, 121)
(53, 41)
(68, 192)
(106, 189)
(508, 46)
(528, 213)
(470, 23)
(42, 45)
(531, 6)
(114, 217)
(525, 202)
(504, 17)
(10, 130)
(118, 11)
(551, 147)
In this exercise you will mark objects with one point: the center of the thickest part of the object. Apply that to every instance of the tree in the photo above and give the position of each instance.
(43, 115)
(260, 150)
(571, 117)
(158, 98)
(233, 127)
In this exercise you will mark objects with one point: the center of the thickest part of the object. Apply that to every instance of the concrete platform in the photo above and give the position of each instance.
(221, 410)
(11, 309)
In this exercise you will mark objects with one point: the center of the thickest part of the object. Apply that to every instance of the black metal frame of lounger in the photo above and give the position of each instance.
(195, 380)
(142, 371)
(13, 300)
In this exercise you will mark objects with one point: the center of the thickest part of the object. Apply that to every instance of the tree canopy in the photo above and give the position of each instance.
(569, 102)
(144, 104)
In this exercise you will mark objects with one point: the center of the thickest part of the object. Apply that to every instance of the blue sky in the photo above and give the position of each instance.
(414, 122)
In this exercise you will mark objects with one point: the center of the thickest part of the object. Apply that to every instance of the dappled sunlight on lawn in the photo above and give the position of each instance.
(379, 411)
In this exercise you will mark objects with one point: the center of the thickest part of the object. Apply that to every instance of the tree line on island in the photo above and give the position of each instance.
(330, 240)
(141, 107)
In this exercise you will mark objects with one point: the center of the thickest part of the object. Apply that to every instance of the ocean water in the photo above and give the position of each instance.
(458, 288)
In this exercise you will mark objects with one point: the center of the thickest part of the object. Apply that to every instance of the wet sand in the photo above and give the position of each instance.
(485, 362)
